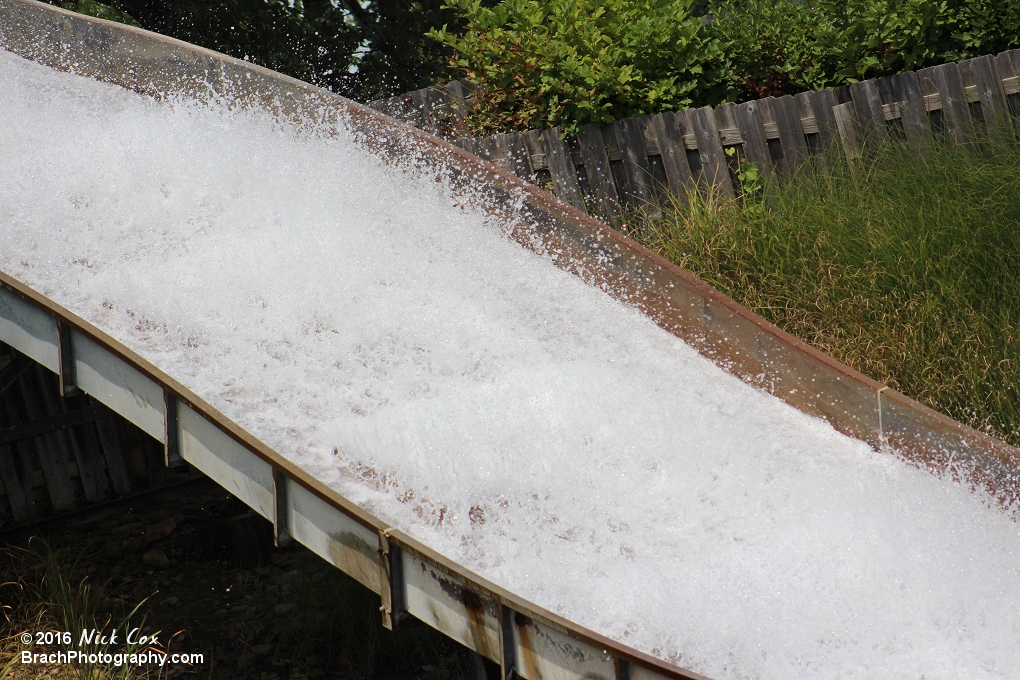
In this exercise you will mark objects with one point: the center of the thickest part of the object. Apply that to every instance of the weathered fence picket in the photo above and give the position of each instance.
(632, 162)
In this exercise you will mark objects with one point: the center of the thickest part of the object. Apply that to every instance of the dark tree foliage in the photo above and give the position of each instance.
(362, 50)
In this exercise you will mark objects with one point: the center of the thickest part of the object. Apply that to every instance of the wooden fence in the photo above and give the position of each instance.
(633, 161)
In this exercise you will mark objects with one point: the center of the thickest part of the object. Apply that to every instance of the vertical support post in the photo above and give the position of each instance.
(622, 669)
(472, 664)
(65, 357)
(394, 591)
(508, 641)
(281, 530)
(171, 436)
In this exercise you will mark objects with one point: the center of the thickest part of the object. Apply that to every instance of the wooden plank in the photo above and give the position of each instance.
(22, 459)
(414, 113)
(518, 158)
(713, 158)
(817, 106)
(630, 139)
(51, 451)
(88, 454)
(669, 139)
(982, 73)
(12, 372)
(600, 176)
(458, 100)
(536, 151)
(430, 110)
(945, 80)
(726, 121)
(561, 167)
(906, 92)
(756, 146)
(486, 148)
(91, 475)
(843, 114)
(113, 453)
(868, 109)
(1008, 69)
(15, 487)
(822, 102)
(791, 133)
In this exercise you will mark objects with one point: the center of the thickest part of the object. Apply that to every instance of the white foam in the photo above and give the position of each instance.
(511, 416)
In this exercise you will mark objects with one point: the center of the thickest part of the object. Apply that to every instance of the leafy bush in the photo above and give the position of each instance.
(773, 47)
(568, 62)
(565, 63)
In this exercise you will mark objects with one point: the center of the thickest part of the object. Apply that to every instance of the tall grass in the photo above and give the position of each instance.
(49, 591)
(907, 269)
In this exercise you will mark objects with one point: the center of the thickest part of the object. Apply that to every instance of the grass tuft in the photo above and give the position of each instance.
(52, 592)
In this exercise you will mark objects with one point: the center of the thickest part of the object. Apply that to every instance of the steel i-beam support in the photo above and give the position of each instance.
(65, 359)
(394, 589)
(171, 432)
(508, 642)
(281, 530)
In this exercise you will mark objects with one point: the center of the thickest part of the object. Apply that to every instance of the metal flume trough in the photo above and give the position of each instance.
(413, 580)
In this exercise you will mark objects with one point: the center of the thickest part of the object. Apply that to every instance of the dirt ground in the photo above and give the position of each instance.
(200, 572)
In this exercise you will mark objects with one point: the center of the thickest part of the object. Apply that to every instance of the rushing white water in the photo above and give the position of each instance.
(500, 410)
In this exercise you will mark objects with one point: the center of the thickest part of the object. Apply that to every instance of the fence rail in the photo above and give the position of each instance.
(632, 161)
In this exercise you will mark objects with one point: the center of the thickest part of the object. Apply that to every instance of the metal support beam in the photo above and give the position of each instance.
(172, 446)
(281, 531)
(508, 641)
(65, 358)
(394, 590)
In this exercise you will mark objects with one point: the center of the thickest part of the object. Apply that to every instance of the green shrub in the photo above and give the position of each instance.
(564, 63)
(773, 47)
(542, 63)
(906, 270)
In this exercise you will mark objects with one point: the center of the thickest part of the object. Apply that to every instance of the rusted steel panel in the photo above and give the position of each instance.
(447, 603)
(333, 535)
(544, 653)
